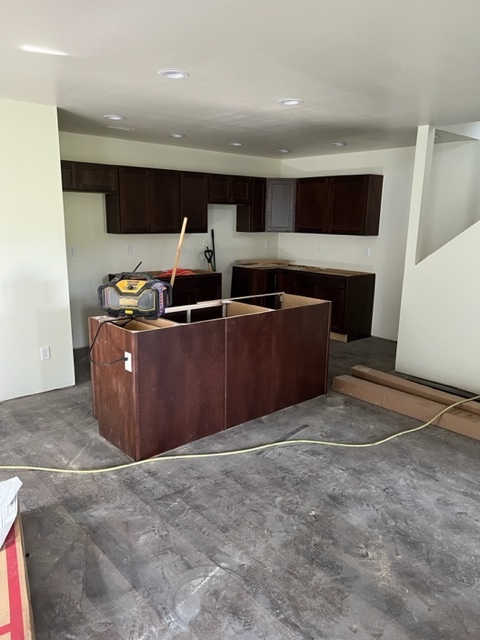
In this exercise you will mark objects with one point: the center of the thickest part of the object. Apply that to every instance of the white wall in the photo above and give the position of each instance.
(439, 333)
(35, 304)
(439, 336)
(123, 152)
(387, 250)
(453, 199)
(93, 253)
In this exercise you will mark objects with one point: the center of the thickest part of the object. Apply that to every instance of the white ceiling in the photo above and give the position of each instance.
(369, 71)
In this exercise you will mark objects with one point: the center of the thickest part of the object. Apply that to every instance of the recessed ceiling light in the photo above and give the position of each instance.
(50, 52)
(176, 135)
(236, 144)
(338, 144)
(116, 126)
(173, 74)
(283, 150)
(290, 102)
(114, 117)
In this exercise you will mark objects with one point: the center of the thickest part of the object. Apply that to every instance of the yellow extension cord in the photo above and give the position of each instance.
(260, 447)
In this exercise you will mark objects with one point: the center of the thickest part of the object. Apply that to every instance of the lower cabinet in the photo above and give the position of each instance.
(350, 292)
(190, 380)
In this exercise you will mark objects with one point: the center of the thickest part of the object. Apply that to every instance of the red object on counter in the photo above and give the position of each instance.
(180, 272)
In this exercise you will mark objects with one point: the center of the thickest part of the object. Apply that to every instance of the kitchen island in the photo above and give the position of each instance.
(217, 364)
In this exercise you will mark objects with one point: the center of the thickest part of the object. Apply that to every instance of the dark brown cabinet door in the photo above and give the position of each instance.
(218, 189)
(240, 189)
(337, 298)
(285, 281)
(88, 176)
(194, 200)
(251, 217)
(68, 175)
(229, 189)
(356, 204)
(312, 213)
(99, 178)
(128, 211)
(304, 284)
(164, 201)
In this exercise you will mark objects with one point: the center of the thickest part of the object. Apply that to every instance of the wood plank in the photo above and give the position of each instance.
(456, 420)
(422, 390)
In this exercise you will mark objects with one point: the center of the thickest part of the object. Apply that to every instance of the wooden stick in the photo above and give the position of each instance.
(179, 248)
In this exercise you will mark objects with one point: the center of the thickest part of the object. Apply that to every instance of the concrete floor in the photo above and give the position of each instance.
(297, 542)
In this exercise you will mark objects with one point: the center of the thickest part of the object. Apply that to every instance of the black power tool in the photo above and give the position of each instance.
(135, 295)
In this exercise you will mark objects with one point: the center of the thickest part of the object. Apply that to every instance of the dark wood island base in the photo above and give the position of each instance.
(214, 365)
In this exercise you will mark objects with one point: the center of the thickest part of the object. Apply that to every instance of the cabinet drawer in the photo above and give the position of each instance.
(330, 281)
(304, 280)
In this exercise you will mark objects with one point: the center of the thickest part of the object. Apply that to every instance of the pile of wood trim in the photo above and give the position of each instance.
(410, 399)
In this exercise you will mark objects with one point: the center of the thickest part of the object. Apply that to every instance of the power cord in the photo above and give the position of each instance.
(105, 364)
(219, 454)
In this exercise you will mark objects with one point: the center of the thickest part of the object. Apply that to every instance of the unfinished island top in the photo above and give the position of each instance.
(350, 292)
(205, 367)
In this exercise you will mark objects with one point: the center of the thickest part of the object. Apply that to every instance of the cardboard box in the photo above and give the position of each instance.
(15, 610)
(416, 389)
(456, 420)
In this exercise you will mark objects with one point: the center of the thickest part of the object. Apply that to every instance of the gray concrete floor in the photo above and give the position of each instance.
(297, 542)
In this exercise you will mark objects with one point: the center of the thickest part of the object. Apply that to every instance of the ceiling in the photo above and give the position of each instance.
(368, 71)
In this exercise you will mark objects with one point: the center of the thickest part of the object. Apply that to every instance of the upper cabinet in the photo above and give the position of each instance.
(280, 204)
(356, 204)
(344, 205)
(164, 204)
(128, 210)
(251, 217)
(147, 201)
(312, 207)
(229, 189)
(194, 200)
(88, 176)
(141, 200)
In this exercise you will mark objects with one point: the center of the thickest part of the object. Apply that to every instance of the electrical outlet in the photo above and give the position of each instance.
(45, 353)
(320, 247)
(368, 252)
(128, 361)
(267, 244)
(72, 252)
(129, 249)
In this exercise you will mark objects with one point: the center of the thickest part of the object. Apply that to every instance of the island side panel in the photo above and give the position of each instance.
(113, 387)
(249, 367)
(300, 348)
(181, 385)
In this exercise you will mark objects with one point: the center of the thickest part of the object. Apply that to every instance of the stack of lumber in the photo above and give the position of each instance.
(410, 399)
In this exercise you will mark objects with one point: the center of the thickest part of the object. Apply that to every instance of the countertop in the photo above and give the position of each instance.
(284, 264)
